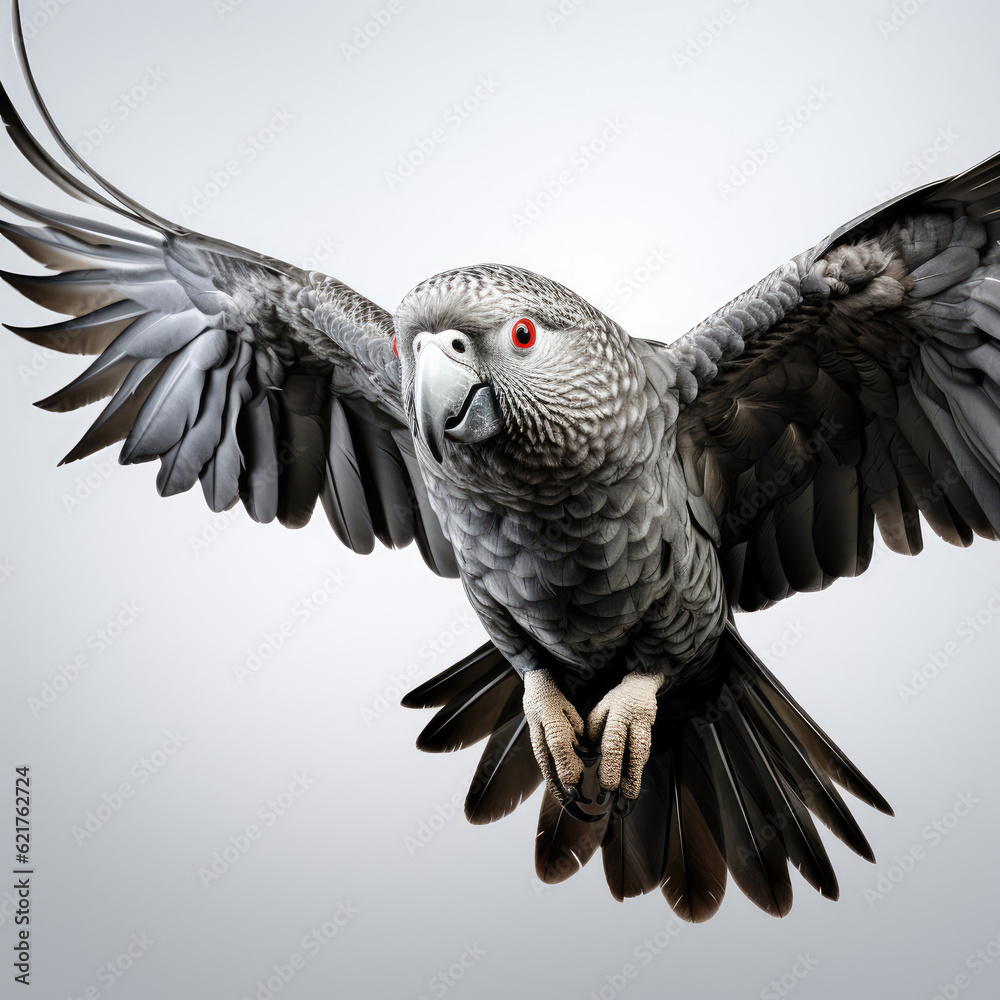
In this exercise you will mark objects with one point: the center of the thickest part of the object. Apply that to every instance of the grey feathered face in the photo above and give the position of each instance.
(510, 362)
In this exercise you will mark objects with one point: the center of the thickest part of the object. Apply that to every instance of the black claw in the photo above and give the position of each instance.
(572, 799)
(571, 793)
(566, 794)
(575, 810)
(602, 796)
(622, 806)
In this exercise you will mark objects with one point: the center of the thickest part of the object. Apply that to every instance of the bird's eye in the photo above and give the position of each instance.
(523, 334)
(395, 347)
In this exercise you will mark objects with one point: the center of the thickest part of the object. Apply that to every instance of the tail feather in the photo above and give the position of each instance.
(733, 781)
(462, 676)
(810, 781)
(507, 772)
(755, 855)
(634, 845)
(789, 815)
(471, 715)
(694, 867)
(565, 843)
(805, 848)
(799, 725)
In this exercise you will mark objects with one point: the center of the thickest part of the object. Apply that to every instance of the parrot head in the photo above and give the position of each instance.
(497, 359)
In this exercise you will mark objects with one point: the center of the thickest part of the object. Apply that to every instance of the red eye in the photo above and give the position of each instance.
(523, 334)
(395, 347)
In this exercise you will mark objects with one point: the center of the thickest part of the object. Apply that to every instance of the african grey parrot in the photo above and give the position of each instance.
(607, 502)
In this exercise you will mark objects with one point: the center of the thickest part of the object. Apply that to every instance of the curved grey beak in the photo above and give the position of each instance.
(451, 402)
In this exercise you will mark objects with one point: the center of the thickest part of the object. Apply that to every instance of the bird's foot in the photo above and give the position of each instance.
(623, 723)
(556, 729)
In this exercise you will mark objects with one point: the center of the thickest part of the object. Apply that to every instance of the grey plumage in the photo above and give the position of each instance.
(91, 333)
(608, 502)
(345, 506)
(173, 405)
(117, 418)
(220, 476)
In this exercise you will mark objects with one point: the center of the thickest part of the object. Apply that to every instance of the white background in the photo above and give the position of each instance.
(889, 93)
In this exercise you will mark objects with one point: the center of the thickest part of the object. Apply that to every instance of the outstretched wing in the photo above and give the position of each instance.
(857, 384)
(269, 384)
